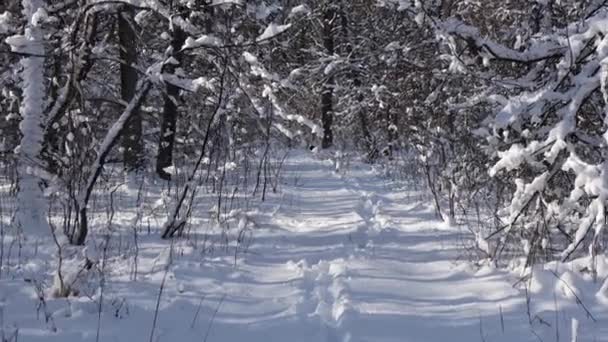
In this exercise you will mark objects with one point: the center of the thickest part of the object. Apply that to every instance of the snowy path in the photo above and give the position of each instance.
(371, 264)
(334, 259)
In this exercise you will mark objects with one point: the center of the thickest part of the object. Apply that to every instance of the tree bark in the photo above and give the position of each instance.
(132, 138)
(170, 109)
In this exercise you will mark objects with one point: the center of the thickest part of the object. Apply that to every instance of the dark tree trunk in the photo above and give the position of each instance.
(392, 131)
(370, 146)
(132, 138)
(327, 93)
(170, 109)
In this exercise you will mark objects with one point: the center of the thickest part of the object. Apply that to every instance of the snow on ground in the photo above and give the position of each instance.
(334, 257)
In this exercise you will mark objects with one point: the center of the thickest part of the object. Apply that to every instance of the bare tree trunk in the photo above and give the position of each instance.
(132, 137)
(327, 93)
(391, 120)
(434, 191)
(170, 109)
(370, 146)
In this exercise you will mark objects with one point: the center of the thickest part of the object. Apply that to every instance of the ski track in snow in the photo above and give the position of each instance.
(335, 258)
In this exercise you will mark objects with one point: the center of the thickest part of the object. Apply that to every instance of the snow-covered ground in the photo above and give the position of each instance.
(333, 257)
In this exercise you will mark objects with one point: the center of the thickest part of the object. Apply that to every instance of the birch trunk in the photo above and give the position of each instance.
(32, 207)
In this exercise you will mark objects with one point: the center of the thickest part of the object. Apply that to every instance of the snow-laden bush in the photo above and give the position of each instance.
(548, 133)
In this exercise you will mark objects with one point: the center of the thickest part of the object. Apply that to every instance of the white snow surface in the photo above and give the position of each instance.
(272, 30)
(5, 22)
(206, 40)
(334, 257)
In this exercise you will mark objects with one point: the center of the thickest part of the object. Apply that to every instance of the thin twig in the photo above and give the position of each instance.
(217, 308)
(198, 310)
(578, 300)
